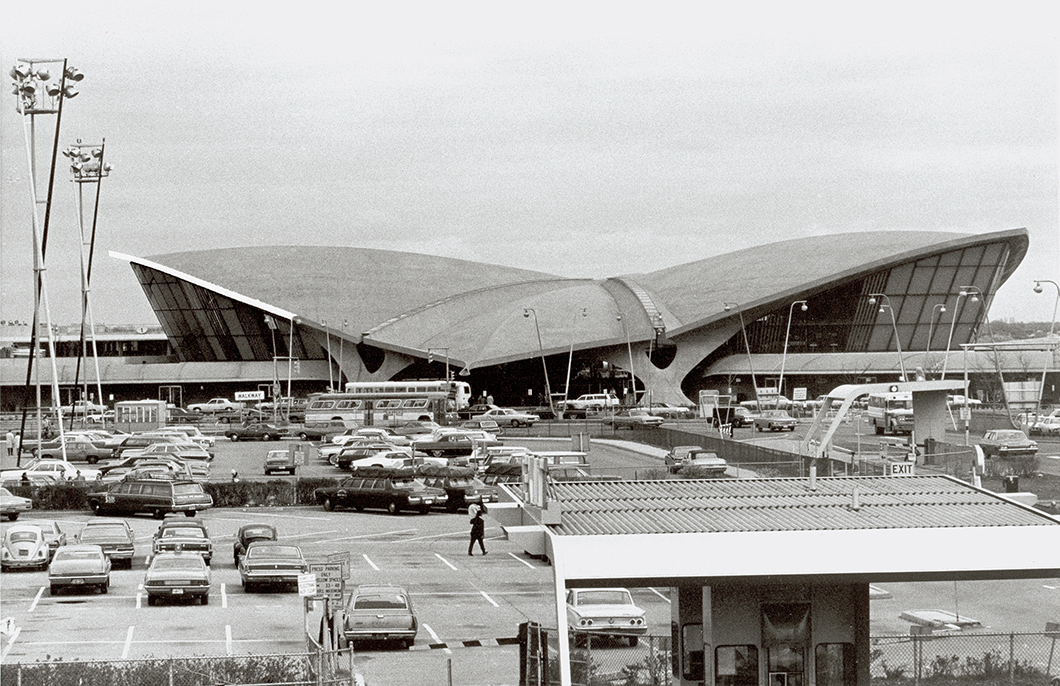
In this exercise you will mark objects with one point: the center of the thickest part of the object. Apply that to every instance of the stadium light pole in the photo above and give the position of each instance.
(941, 307)
(629, 349)
(784, 355)
(886, 305)
(966, 291)
(747, 346)
(527, 311)
(37, 94)
(570, 360)
(1045, 367)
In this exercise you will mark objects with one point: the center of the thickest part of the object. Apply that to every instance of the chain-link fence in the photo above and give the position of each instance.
(1024, 659)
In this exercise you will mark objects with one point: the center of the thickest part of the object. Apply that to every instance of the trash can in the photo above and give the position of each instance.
(1012, 484)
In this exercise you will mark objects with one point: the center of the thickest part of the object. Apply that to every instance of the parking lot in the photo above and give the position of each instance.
(457, 598)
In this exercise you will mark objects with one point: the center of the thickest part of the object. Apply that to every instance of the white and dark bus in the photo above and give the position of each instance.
(388, 403)
(891, 412)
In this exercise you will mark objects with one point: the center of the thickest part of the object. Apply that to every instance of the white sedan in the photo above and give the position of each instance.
(57, 469)
(215, 405)
(605, 612)
(505, 416)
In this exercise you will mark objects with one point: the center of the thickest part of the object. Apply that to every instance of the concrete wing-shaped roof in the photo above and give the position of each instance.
(696, 292)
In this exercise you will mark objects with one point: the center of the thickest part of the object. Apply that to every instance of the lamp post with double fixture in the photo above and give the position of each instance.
(784, 354)
(886, 305)
(1052, 324)
(527, 311)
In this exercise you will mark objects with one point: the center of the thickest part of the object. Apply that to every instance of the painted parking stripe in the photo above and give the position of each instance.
(369, 561)
(514, 556)
(128, 643)
(313, 533)
(380, 533)
(224, 597)
(36, 599)
(436, 639)
(228, 639)
(447, 562)
(491, 600)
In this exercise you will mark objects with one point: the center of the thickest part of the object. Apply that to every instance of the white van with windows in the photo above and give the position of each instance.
(595, 401)
(891, 412)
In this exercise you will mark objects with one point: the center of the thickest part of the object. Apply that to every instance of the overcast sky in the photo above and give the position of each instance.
(581, 139)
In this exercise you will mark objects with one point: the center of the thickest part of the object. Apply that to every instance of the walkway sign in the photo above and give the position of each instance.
(244, 396)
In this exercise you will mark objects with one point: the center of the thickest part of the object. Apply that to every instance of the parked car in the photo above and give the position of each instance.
(460, 486)
(382, 434)
(393, 490)
(379, 613)
(177, 575)
(701, 462)
(256, 431)
(83, 407)
(11, 505)
(52, 533)
(250, 533)
(594, 401)
(452, 443)
(320, 431)
(279, 461)
(345, 456)
(186, 451)
(671, 411)
(605, 612)
(215, 405)
(506, 416)
(23, 547)
(115, 538)
(1007, 443)
(154, 496)
(636, 418)
(187, 534)
(79, 567)
(1040, 424)
(775, 420)
(487, 425)
(75, 448)
(271, 563)
(417, 427)
(60, 470)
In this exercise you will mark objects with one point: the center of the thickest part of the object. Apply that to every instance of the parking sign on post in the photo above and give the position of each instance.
(329, 581)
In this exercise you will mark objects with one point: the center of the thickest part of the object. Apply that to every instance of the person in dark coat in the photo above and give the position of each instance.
(478, 529)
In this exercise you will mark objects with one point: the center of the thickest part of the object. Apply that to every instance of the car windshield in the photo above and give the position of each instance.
(178, 562)
(100, 533)
(183, 532)
(21, 536)
(61, 555)
(381, 602)
(1011, 436)
(187, 489)
(259, 532)
(274, 551)
(604, 598)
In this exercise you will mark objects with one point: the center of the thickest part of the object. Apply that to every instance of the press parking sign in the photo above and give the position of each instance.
(328, 580)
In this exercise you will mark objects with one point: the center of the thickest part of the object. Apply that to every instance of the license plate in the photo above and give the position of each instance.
(23, 553)
(77, 581)
(428, 501)
(178, 591)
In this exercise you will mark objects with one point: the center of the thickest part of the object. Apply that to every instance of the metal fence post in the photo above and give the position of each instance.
(170, 671)
(1011, 658)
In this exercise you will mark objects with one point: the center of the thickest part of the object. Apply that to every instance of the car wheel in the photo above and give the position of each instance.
(12, 517)
(407, 643)
(54, 590)
(359, 507)
(189, 513)
(104, 587)
(150, 599)
(93, 460)
(632, 641)
(268, 472)
(759, 427)
(291, 471)
(392, 508)
(328, 504)
(95, 507)
(233, 437)
(424, 509)
(303, 436)
(266, 437)
(158, 513)
(205, 599)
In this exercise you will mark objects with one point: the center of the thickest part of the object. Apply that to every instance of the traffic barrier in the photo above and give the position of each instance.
(473, 643)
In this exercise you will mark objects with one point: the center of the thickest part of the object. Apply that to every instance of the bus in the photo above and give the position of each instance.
(891, 412)
(388, 403)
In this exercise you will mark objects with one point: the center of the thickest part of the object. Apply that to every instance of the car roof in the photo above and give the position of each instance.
(379, 588)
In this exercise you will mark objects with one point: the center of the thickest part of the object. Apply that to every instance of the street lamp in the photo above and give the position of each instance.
(784, 355)
(1045, 367)
(629, 348)
(331, 377)
(941, 307)
(965, 291)
(341, 341)
(570, 360)
(540, 346)
(873, 299)
(747, 345)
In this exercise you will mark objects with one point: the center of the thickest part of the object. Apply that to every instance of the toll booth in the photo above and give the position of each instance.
(140, 415)
(770, 578)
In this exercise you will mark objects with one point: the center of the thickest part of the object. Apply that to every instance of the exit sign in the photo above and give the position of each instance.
(901, 469)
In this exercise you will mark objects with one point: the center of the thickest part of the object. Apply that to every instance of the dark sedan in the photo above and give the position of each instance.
(115, 539)
(256, 431)
(251, 533)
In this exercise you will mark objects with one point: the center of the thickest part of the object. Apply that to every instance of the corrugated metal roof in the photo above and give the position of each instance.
(747, 505)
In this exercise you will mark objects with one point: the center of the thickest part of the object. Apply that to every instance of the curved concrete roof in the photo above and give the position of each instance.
(407, 301)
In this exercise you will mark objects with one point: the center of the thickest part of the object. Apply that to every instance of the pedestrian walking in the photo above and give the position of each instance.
(478, 528)
(10, 444)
